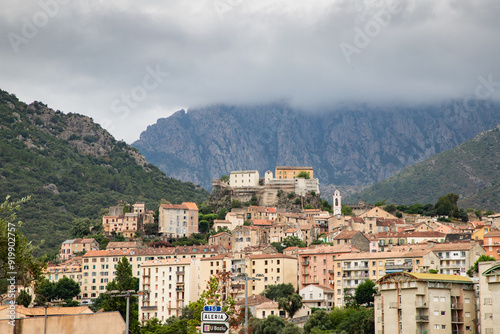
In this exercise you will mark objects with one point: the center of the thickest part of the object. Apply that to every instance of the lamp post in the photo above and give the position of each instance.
(47, 304)
(127, 294)
(246, 278)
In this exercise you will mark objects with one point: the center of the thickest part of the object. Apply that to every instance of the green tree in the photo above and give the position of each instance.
(475, 266)
(271, 325)
(66, 288)
(391, 208)
(277, 291)
(203, 226)
(447, 204)
(290, 328)
(290, 304)
(279, 247)
(479, 214)
(349, 299)
(304, 175)
(44, 291)
(16, 252)
(224, 178)
(380, 203)
(124, 281)
(235, 204)
(365, 292)
(291, 241)
(346, 210)
(23, 298)
(81, 227)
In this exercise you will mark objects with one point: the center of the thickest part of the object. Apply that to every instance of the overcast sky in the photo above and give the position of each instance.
(127, 63)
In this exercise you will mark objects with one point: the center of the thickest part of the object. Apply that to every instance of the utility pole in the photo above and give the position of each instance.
(127, 294)
(246, 278)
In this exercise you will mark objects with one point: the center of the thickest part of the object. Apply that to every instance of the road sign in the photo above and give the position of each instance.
(214, 316)
(212, 308)
(221, 327)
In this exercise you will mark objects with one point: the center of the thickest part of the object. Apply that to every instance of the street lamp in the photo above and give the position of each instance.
(47, 304)
(127, 294)
(246, 278)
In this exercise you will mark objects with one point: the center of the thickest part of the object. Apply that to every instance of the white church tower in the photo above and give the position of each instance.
(337, 203)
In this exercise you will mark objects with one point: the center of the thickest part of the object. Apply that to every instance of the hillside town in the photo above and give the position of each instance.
(421, 265)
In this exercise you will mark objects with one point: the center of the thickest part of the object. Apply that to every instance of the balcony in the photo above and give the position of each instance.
(180, 272)
(305, 263)
(393, 305)
(360, 267)
(421, 305)
(180, 283)
(456, 319)
(149, 308)
(237, 286)
(179, 288)
(457, 306)
(305, 273)
(399, 266)
(422, 318)
(331, 271)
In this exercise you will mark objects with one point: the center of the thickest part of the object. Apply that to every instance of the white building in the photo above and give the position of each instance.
(171, 284)
(244, 178)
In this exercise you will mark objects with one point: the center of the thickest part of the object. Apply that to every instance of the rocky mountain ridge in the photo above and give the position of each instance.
(350, 147)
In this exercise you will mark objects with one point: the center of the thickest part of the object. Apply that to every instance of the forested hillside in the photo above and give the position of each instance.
(72, 168)
(471, 170)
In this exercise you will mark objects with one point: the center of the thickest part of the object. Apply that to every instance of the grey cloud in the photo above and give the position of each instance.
(92, 53)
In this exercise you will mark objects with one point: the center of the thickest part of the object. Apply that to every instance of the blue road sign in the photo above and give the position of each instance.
(212, 308)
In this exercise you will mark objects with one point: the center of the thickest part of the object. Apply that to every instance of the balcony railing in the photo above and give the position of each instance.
(305, 263)
(180, 272)
(360, 267)
(422, 318)
(457, 319)
(149, 308)
(179, 288)
(457, 306)
(421, 304)
(393, 305)
(399, 266)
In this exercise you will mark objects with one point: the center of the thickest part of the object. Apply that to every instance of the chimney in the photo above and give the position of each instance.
(472, 242)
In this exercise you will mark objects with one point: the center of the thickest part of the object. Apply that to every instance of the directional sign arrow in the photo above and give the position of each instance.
(221, 327)
(214, 316)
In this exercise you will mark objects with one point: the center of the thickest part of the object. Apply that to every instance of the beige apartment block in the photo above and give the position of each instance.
(70, 248)
(171, 284)
(352, 269)
(178, 220)
(425, 303)
(99, 267)
(489, 297)
(244, 178)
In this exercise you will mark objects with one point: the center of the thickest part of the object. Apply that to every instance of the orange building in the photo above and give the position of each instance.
(491, 243)
(285, 172)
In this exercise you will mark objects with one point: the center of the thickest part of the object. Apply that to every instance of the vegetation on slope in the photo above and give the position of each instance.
(72, 168)
(471, 170)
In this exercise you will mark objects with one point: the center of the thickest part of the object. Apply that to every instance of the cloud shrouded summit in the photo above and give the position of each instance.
(127, 63)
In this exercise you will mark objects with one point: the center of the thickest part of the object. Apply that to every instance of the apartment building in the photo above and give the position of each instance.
(71, 269)
(126, 224)
(272, 268)
(491, 243)
(316, 265)
(350, 270)
(455, 258)
(99, 267)
(171, 285)
(223, 239)
(70, 248)
(425, 303)
(178, 220)
(489, 297)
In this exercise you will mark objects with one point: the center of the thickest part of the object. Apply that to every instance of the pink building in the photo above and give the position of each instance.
(316, 264)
